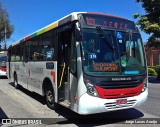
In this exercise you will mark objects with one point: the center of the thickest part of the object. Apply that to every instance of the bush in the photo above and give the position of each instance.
(153, 67)
(157, 69)
(152, 72)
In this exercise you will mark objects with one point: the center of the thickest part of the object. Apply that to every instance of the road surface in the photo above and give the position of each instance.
(23, 104)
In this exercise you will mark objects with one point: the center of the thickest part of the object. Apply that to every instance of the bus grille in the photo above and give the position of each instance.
(119, 84)
(113, 105)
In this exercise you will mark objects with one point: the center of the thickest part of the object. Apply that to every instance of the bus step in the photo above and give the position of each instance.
(61, 99)
(65, 103)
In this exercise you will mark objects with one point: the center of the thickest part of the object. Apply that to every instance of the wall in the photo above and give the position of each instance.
(152, 55)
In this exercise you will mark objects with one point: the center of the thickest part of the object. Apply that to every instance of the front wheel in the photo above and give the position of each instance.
(49, 94)
(16, 85)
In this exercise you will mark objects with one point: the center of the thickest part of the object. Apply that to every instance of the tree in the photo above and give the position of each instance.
(150, 21)
(6, 28)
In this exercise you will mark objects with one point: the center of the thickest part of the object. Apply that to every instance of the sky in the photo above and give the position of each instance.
(28, 16)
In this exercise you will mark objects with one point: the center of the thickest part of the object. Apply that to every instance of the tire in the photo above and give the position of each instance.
(16, 85)
(49, 95)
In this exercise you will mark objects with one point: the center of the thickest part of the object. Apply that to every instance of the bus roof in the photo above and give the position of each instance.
(70, 17)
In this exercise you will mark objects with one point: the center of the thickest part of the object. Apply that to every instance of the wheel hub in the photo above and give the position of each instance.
(50, 97)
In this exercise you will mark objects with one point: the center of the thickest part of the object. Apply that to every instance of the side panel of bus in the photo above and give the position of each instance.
(38, 73)
(22, 74)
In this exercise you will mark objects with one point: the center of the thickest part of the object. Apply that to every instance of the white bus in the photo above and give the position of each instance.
(3, 61)
(87, 62)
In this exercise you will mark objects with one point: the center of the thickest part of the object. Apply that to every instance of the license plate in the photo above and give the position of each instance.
(122, 101)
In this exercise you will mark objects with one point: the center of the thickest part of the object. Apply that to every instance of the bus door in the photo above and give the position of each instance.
(64, 48)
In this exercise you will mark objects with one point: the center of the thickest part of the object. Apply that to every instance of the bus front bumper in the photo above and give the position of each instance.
(3, 73)
(91, 105)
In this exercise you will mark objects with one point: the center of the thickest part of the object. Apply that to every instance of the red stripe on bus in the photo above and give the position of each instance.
(53, 75)
(27, 38)
(3, 69)
(119, 93)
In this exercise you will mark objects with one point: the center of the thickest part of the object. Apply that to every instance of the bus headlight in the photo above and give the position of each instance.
(91, 90)
(144, 85)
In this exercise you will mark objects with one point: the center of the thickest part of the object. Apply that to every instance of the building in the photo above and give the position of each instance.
(152, 55)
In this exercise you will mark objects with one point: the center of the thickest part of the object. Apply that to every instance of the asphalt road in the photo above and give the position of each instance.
(153, 103)
(23, 104)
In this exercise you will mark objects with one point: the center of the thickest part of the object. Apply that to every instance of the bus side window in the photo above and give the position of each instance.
(13, 55)
(18, 51)
(26, 53)
(21, 54)
(50, 54)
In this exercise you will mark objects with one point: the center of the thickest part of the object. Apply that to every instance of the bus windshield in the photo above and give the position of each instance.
(110, 52)
(3, 58)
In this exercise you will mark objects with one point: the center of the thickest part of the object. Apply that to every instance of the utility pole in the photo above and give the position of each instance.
(5, 38)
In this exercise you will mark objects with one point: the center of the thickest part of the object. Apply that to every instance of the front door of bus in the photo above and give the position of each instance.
(64, 41)
(67, 57)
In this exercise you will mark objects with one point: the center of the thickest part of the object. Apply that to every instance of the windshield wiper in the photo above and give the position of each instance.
(107, 38)
(110, 44)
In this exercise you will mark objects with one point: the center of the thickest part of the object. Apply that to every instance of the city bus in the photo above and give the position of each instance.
(3, 61)
(88, 62)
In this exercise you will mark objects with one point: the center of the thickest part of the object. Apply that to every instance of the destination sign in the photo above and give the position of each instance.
(105, 67)
(108, 21)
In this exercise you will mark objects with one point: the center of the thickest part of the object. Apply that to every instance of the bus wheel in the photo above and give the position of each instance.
(49, 94)
(16, 85)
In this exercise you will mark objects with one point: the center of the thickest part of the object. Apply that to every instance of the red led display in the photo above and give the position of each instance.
(114, 25)
(90, 21)
(108, 21)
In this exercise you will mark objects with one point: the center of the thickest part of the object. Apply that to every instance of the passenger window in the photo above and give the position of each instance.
(42, 48)
(17, 55)
(13, 54)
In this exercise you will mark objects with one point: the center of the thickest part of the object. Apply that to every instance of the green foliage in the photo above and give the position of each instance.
(136, 15)
(157, 69)
(151, 67)
(150, 22)
(4, 22)
(152, 72)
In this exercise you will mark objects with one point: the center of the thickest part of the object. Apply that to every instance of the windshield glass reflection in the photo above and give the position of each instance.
(100, 59)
